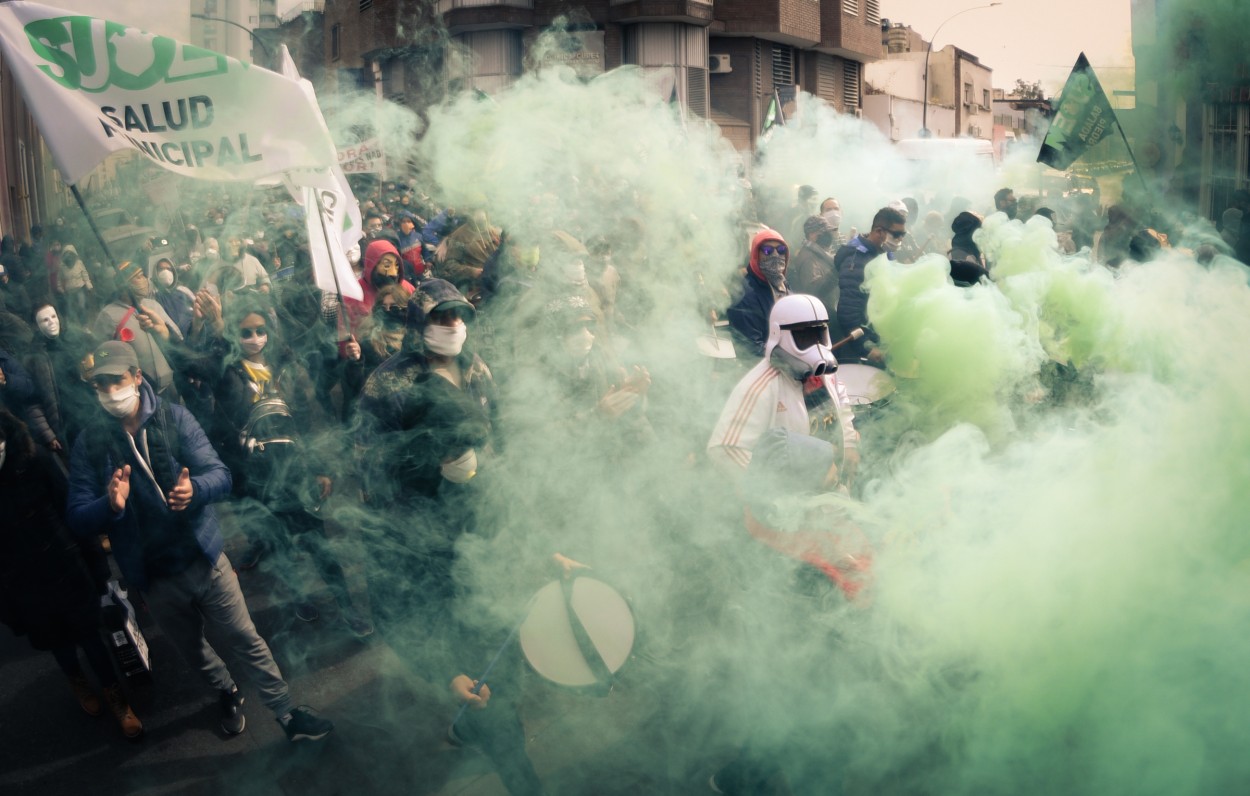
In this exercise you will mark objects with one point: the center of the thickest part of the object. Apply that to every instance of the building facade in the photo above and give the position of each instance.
(959, 101)
(722, 59)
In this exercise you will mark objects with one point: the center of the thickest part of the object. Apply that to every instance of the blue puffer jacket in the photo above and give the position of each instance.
(91, 470)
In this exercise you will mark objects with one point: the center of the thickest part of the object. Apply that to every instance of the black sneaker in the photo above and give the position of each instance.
(304, 725)
(232, 719)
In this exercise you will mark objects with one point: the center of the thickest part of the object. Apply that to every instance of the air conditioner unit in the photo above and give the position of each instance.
(718, 64)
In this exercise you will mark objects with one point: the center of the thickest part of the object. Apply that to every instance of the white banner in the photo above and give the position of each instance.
(97, 87)
(363, 158)
(331, 212)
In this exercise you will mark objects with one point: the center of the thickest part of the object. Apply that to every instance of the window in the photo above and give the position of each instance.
(967, 93)
(850, 86)
(872, 12)
(850, 7)
(783, 65)
(335, 33)
(985, 98)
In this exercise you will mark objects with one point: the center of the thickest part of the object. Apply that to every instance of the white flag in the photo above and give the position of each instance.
(331, 212)
(97, 87)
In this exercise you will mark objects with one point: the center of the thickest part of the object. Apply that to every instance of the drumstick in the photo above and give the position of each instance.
(854, 335)
(481, 681)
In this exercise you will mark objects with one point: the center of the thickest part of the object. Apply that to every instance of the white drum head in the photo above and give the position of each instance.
(578, 634)
(865, 385)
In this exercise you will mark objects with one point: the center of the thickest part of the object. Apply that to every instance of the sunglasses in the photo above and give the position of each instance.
(247, 334)
(768, 249)
(897, 233)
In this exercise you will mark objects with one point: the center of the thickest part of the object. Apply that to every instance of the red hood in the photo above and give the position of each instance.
(374, 253)
(760, 237)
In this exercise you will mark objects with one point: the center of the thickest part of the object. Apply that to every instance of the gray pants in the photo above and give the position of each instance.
(206, 601)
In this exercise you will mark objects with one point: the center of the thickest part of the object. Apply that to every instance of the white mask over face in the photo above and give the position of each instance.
(834, 217)
(575, 272)
(165, 278)
(255, 344)
(120, 402)
(445, 341)
(461, 469)
(48, 322)
(579, 343)
(891, 243)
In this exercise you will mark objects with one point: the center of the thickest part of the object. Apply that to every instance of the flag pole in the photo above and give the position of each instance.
(91, 222)
(1133, 158)
(338, 289)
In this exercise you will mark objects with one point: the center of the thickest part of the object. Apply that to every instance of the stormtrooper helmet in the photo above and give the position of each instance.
(798, 337)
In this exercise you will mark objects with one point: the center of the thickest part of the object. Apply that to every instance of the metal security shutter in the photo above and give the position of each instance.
(850, 86)
(696, 91)
(826, 78)
(758, 72)
(783, 65)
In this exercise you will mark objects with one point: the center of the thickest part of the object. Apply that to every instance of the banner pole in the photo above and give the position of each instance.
(338, 289)
(91, 221)
(1133, 158)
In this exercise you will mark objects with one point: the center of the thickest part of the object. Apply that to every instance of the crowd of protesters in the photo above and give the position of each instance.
(206, 368)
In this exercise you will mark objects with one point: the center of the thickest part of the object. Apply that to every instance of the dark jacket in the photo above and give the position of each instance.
(811, 271)
(176, 441)
(748, 317)
(850, 261)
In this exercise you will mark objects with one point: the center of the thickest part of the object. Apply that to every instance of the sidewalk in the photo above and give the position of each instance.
(389, 738)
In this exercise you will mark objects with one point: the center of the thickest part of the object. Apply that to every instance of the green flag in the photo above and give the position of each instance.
(1083, 119)
(770, 115)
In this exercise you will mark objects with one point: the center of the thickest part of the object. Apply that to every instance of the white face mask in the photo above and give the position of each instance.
(891, 243)
(461, 469)
(48, 322)
(3, 453)
(446, 341)
(254, 344)
(575, 272)
(579, 343)
(120, 402)
(165, 278)
(834, 217)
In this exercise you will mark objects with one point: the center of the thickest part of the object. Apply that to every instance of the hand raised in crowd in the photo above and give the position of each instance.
(351, 349)
(207, 309)
(567, 564)
(325, 486)
(119, 489)
(462, 686)
(180, 495)
(152, 324)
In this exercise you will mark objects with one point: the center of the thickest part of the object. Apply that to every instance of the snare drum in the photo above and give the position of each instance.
(579, 633)
(867, 387)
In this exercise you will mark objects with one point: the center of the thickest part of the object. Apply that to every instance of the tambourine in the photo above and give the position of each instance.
(579, 632)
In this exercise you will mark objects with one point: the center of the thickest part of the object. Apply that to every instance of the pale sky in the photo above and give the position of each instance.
(1026, 39)
(1029, 39)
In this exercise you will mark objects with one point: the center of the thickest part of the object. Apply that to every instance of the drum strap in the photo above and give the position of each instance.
(603, 675)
